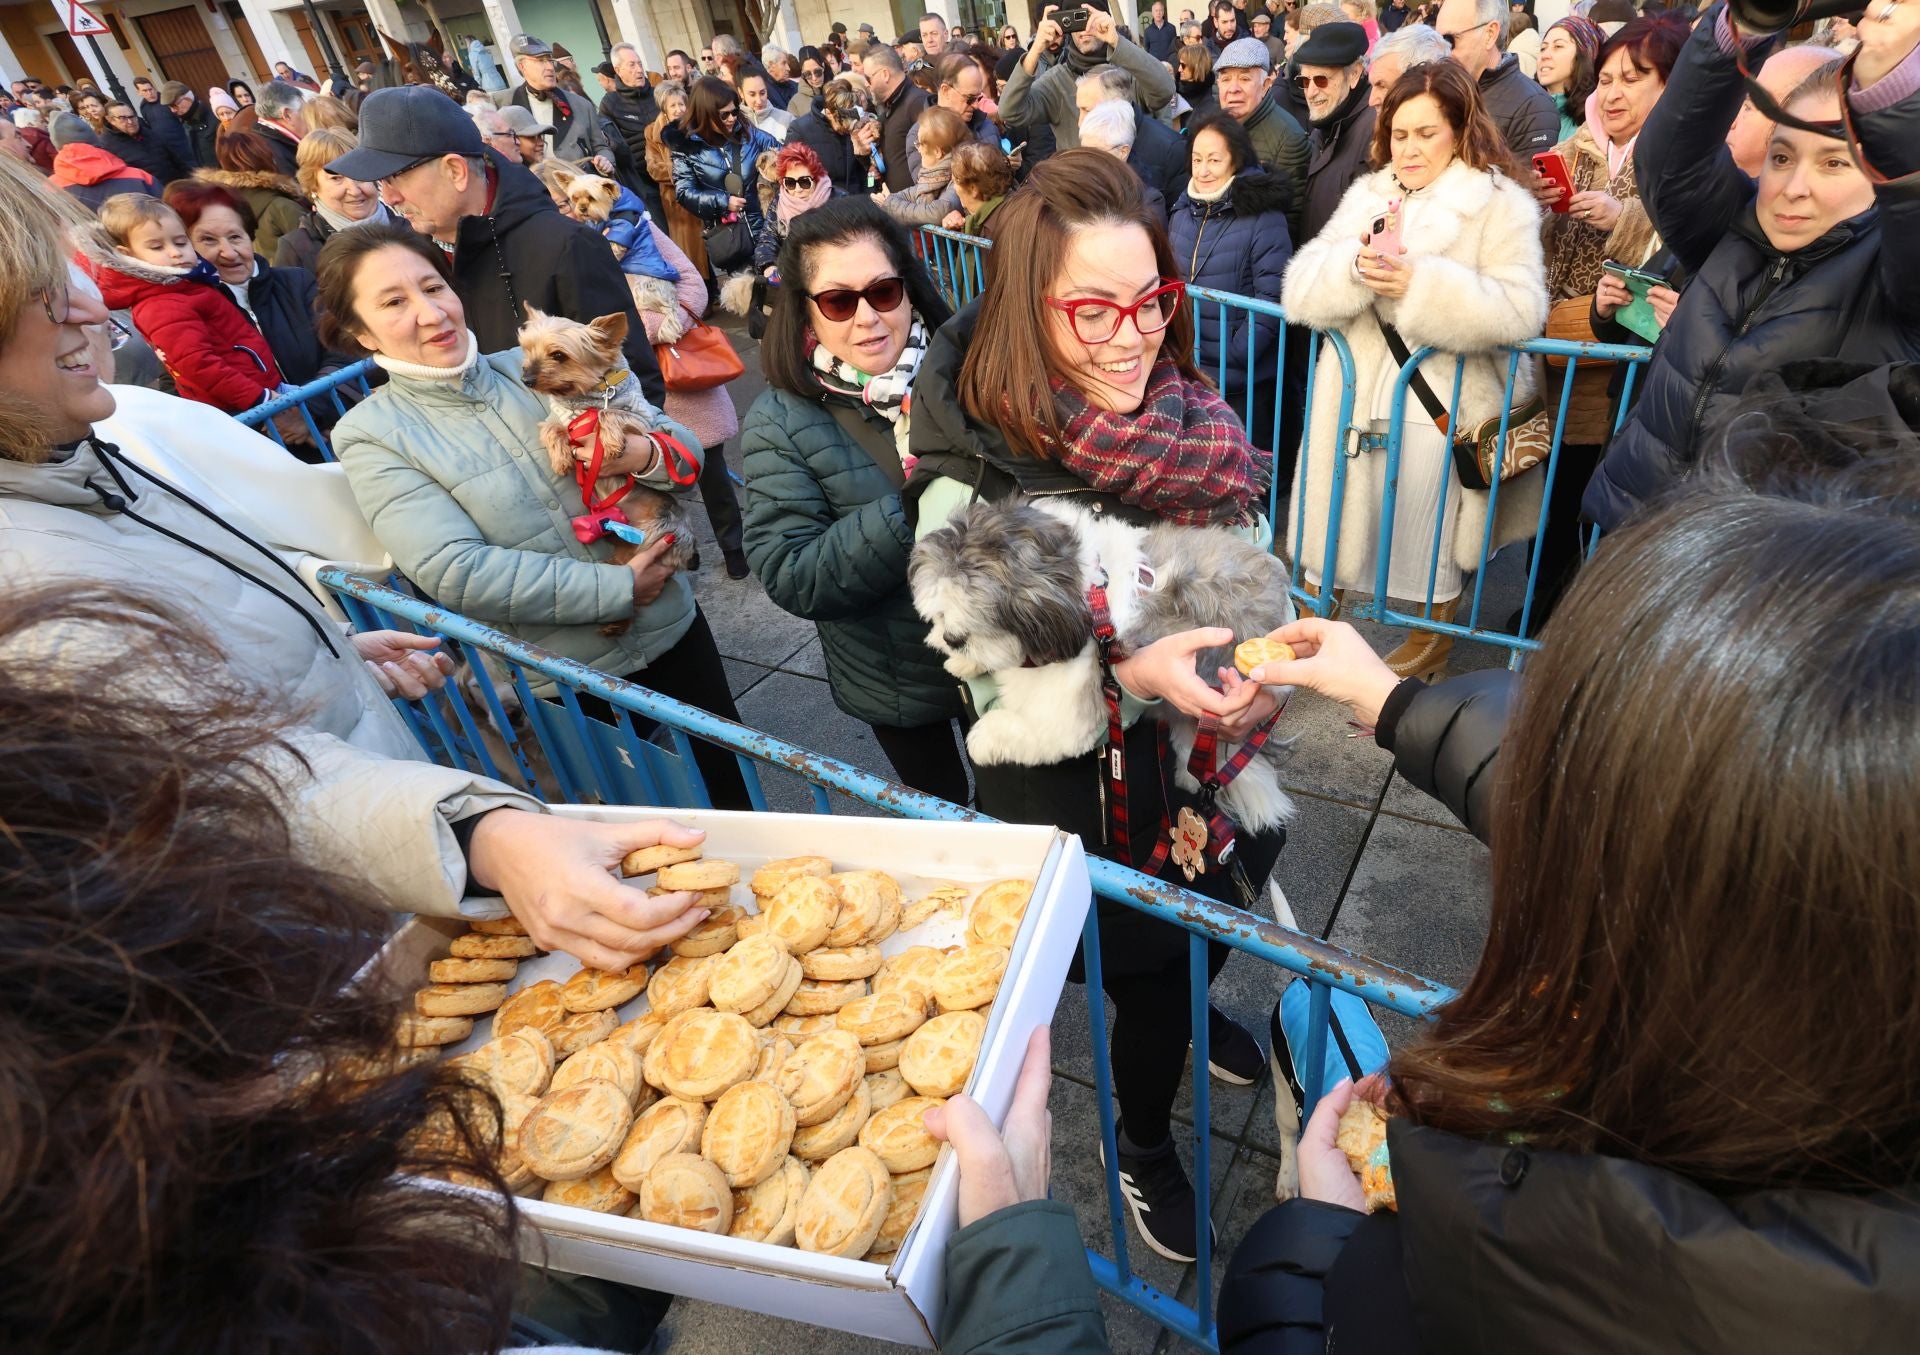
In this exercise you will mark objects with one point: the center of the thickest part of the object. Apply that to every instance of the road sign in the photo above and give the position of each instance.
(83, 22)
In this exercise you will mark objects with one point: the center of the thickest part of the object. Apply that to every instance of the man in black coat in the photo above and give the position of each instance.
(830, 135)
(1332, 65)
(1159, 155)
(1525, 114)
(158, 121)
(128, 139)
(511, 247)
(196, 119)
(900, 103)
(1160, 38)
(631, 108)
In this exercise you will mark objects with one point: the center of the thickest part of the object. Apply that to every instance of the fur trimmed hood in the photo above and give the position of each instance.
(245, 180)
(124, 279)
(1254, 191)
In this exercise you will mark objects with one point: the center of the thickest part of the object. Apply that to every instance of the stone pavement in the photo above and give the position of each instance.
(1390, 870)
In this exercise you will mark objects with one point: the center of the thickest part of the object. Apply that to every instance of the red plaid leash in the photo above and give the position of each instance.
(1111, 652)
(1214, 780)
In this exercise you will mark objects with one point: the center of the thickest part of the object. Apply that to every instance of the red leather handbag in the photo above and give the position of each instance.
(698, 360)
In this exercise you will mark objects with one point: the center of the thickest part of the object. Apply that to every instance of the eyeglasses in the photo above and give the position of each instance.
(57, 302)
(388, 180)
(729, 113)
(799, 183)
(1097, 322)
(973, 99)
(839, 303)
(1313, 81)
(811, 72)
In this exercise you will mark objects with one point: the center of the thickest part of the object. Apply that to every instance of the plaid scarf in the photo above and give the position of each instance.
(889, 395)
(1181, 456)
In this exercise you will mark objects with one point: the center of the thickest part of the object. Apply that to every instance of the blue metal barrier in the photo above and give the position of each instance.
(555, 751)
(325, 393)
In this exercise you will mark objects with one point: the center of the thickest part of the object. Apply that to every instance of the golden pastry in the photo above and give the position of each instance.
(838, 966)
(598, 990)
(822, 997)
(970, 978)
(750, 924)
(512, 1165)
(879, 1257)
(939, 899)
(475, 946)
(1250, 654)
(577, 1030)
(1362, 1136)
(749, 1130)
(886, 1088)
(819, 1076)
(639, 1033)
(845, 1203)
(687, 1191)
(747, 975)
(706, 1054)
(766, 1212)
(891, 910)
(671, 1126)
(909, 1189)
(769, 879)
(653, 1061)
(699, 876)
(521, 1061)
(911, 971)
(777, 1000)
(802, 913)
(457, 970)
(997, 912)
(899, 1138)
(711, 937)
(864, 899)
(817, 1142)
(647, 860)
(459, 999)
(798, 1028)
(575, 1132)
(537, 1005)
(938, 1058)
(881, 1018)
(884, 1058)
(598, 1192)
(775, 1050)
(414, 1031)
(498, 926)
(604, 1062)
(679, 985)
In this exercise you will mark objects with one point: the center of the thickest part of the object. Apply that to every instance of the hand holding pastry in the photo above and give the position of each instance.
(1331, 658)
(1000, 1168)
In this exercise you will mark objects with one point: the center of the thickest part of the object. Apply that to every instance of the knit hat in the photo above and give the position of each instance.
(71, 130)
(218, 99)
(1585, 33)
(1244, 54)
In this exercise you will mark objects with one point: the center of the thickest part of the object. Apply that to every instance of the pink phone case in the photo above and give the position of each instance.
(1384, 236)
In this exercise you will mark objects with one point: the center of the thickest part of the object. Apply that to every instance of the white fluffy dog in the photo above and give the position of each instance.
(1004, 587)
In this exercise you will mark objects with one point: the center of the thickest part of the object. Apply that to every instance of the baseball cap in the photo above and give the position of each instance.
(605, 68)
(1334, 44)
(401, 127)
(1240, 54)
(521, 122)
(525, 44)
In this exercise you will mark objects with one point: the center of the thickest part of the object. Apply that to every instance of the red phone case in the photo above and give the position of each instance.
(1553, 169)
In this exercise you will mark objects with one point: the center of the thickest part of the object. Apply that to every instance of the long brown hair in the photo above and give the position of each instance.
(1706, 860)
(337, 271)
(1004, 380)
(1476, 141)
(708, 96)
(203, 1127)
(244, 152)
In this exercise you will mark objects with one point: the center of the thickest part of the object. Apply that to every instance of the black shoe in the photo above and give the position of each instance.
(1157, 1191)
(1233, 1055)
(737, 564)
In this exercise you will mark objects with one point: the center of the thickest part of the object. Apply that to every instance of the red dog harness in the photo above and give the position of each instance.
(592, 525)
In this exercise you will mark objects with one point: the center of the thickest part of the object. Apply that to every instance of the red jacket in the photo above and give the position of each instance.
(213, 351)
(39, 146)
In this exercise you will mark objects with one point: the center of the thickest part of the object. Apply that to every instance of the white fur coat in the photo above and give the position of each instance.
(1479, 282)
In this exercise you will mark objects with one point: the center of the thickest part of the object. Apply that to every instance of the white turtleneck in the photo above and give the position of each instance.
(416, 371)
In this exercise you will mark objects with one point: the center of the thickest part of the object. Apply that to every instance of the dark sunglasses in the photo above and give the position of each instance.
(812, 72)
(799, 183)
(1313, 81)
(839, 303)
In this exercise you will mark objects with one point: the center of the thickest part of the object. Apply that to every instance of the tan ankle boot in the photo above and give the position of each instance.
(1424, 654)
(1339, 601)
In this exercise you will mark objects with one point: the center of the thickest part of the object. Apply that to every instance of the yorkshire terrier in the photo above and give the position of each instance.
(578, 367)
(619, 215)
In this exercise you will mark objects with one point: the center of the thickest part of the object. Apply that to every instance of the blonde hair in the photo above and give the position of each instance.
(41, 226)
(941, 128)
(318, 149)
(1360, 10)
(123, 213)
(328, 112)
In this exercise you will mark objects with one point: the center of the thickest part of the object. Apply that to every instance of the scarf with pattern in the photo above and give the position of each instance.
(1182, 456)
(889, 394)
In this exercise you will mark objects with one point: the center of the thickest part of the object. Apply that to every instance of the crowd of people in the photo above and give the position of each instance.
(1684, 839)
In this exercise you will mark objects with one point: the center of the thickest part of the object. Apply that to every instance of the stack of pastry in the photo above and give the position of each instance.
(775, 1088)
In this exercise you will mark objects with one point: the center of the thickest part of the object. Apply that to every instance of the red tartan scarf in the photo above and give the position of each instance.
(1182, 455)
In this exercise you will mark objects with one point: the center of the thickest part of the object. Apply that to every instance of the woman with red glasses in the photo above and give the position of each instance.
(1073, 375)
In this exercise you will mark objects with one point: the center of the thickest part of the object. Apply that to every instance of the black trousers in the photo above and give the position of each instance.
(1559, 546)
(721, 503)
(926, 757)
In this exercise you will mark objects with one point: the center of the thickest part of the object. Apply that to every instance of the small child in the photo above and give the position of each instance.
(939, 132)
(213, 352)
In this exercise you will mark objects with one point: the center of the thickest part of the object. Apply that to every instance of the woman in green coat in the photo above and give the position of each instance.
(824, 452)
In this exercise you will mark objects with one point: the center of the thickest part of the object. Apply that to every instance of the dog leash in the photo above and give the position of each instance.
(1211, 825)
(592, 525)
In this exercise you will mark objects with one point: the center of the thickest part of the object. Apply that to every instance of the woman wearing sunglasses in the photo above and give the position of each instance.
(1073, 375)
(803, 185)
(825, 456)
(813, 79)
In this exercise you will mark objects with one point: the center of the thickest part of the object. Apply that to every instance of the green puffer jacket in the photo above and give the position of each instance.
(826, 535)
(453, 479)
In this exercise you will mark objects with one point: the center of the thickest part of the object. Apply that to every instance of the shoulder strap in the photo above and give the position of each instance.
(874, 440)
(1422, 391)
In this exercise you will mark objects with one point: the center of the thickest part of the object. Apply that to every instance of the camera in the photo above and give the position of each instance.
(1072, 20)
(1776, 16)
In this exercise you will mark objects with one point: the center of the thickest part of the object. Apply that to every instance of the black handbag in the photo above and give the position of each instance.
(729, 242)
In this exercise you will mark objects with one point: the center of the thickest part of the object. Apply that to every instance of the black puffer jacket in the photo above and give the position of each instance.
(282, 301)
(1749, 308)
(847, 170)
(1444, 739)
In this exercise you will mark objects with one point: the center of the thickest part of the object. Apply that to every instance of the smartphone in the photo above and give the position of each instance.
(1553, 169)
(1072, 20)
(1011, 149)
(1384, 236)
(1638, 314)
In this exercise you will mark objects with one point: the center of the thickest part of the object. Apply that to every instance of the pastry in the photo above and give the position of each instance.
(639, 1033)
(798, 1028)
(910, 971)
(766, 1212)
(575, 1132)
(997, 912)
(699, 876)
(750, 924)
(899, 1138)
(777, 1000)
(459, 999)
(844, 1205)
(748, 975)
(475, 946)
(775, 1050)
(770, 878)
(821, 997)
(647, 860)
(938, 1058)
(1250, 654)
(886, 1088)
(414, 1031)
(498, 926)
(711, 937)
(604, 1062)
(521, 1062)
(969, 978)
(855, 962)
(939, 899)
(909, 1189)
(687, 1191)
(865, 896)
(679, 985)
(457, 970)
(577, 1030)
(891, 910)
(883, 1058)
(880, 1018)
(537, 1005)
(1362, 1136)
(598, 1192)
(598, 990)
(749, 1130)
(801, 915)
(817, 1142)
(819, 1077)
(706, 1054)
(654, 1060)
(668, 1127)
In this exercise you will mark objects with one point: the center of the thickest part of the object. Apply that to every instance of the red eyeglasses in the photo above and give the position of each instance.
(1098, 321)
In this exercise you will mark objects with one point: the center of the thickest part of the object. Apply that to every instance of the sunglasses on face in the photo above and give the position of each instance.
(1313, 81)
(840, 303)
(799, 183)
(812, 72)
